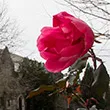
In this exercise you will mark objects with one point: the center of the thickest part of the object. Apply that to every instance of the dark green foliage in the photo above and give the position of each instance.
(33, 74)
(41, 102)
(55, 88)
(87, 82)
(100, 85)
(94, 85)
(101, 81)
(108, 99)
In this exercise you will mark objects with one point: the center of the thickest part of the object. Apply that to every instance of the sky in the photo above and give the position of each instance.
(32, 15)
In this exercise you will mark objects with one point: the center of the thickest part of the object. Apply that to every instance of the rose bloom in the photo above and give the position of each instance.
(61, 45)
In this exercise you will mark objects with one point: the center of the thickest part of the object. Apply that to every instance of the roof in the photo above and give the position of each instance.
(15, 58)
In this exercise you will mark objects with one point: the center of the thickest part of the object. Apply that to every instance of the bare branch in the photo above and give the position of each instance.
(9, 32)
(105, 11)
(92, 14)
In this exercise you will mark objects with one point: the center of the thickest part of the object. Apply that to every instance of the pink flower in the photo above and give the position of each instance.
(61, 45)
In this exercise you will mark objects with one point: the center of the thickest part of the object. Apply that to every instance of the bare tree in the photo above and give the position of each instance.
(9, 32)
(96, 13)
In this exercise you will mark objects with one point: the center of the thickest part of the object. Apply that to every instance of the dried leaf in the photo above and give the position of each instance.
(61, 83)
(40, 90)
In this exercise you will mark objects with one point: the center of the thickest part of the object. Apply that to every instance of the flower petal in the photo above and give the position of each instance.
(60, 18)
(48, 37)
(84, 28)
(49, 54)
(64, 18)
(61, 45)
(75, 50)
(52, 37)
(59, 64)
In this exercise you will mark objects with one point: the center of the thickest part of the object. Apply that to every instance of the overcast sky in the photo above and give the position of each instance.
(32, 15)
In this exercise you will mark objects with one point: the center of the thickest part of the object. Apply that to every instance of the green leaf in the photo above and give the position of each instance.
(87, 82)
(80, 63)
(71, 79)
(88, 76)
(40, 90)
(48, 88)
(101, 81)
(60, 83)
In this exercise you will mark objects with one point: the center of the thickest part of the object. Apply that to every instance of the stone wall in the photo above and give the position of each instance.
(11, 97)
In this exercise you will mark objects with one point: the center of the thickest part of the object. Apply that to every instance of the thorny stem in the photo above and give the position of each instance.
(83, 102)
(94, 58)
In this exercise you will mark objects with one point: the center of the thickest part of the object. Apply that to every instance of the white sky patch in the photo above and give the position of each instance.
(32, 16)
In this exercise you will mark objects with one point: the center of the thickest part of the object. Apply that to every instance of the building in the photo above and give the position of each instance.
(11, 96)
(11, 91)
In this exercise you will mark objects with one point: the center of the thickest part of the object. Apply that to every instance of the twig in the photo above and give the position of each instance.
(86, 11)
